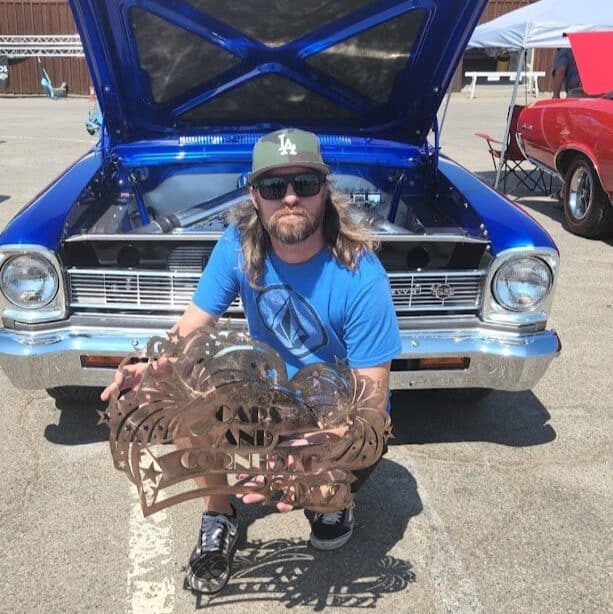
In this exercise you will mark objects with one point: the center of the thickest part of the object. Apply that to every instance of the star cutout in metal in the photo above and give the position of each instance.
(151, 473)
(105, 418)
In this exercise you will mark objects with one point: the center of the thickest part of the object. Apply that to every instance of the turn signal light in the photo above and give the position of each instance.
(101, 362)
(454, 362)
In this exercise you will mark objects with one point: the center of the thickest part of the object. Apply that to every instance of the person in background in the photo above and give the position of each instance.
(565, 74)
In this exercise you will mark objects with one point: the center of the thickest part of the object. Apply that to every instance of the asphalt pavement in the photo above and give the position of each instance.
(502, 506)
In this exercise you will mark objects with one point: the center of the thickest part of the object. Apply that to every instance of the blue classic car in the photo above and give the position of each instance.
(110, 253)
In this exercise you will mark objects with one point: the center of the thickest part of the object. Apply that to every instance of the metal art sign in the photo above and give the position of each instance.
(218, 403)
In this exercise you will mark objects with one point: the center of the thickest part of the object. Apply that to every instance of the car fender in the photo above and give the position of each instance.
(41, 221)
(507, 225)
(565, 154)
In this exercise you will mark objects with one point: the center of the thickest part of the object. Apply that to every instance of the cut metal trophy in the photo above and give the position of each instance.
(217, 402)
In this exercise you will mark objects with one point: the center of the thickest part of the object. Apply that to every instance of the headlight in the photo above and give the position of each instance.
(522, 284)
(29, 281)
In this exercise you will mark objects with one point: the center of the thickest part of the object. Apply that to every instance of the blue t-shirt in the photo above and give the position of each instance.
(314, 311)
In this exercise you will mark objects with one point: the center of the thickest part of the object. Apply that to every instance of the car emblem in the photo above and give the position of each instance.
(442, 291)
(414, 290)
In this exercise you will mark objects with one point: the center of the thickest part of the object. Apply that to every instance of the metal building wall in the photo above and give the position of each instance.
(543, 58)
(42, 17)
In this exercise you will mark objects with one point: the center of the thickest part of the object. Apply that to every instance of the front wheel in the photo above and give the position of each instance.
(587, 209)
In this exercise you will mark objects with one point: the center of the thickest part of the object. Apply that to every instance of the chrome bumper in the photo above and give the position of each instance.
(498, 360)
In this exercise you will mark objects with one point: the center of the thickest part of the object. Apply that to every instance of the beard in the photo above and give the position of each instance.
(295, 229)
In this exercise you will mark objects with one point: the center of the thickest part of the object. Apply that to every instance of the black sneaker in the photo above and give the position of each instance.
(333, 530)
(209, 566)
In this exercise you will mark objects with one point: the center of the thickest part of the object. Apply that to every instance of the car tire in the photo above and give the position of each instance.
(80, 394)
(466, 395)
(587, 209)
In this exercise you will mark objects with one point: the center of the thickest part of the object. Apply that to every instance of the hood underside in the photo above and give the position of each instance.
(362, 67)
(592, 51)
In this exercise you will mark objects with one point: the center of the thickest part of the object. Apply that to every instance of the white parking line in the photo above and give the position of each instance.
(454, 591)
(150, 591)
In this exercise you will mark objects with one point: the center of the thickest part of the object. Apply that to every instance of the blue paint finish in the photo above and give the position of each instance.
(507, 224)
(337, 150)
(42, 220)
(98, 57)
(407, 116)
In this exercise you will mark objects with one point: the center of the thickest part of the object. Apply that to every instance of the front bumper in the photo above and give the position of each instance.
(498, 360)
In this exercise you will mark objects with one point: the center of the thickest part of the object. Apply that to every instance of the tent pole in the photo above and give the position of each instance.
(520, 68)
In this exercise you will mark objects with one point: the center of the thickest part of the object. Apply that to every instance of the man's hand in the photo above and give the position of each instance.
(259, 481)
(304, 439)
(127, 378)
(193, 318)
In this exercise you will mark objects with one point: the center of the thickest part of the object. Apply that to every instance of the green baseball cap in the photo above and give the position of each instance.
(287, 147)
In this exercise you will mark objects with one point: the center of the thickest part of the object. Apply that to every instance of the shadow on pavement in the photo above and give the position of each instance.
(508, 418)
(292, 573)
(78, 424)
(545, 204)
(552, 208)
(3, 197)
(420, 416)
(514, 188)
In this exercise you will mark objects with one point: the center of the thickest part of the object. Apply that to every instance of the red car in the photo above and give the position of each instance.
(574, 138)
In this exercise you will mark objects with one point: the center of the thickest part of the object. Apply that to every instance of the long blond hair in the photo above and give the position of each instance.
(347, 239)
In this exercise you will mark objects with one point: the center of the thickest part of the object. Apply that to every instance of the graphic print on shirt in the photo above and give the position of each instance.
(291, 319)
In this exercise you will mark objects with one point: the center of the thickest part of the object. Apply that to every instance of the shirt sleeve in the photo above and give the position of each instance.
(219, 284)
(371, 329)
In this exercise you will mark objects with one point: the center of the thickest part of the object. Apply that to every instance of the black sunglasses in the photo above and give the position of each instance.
(274, 187)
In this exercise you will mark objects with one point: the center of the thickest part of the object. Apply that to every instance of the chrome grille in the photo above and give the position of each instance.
(134, 290)
(189, 258)
(452, 291)
(167, 291)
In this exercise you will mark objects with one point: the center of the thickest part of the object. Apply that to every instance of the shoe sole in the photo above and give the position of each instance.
(330, 544)
(200, 585)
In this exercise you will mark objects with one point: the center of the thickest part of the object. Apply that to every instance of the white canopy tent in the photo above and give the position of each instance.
(543, 24)
(540, 25)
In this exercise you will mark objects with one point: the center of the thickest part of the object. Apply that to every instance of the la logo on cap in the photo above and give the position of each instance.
(286, 147)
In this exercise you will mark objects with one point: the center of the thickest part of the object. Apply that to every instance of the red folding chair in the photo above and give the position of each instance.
(514, 163)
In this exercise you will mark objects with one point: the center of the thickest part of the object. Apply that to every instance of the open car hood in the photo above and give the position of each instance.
(593, 52)
(374, 68)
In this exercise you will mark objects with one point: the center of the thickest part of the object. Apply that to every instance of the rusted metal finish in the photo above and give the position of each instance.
(217, 402)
